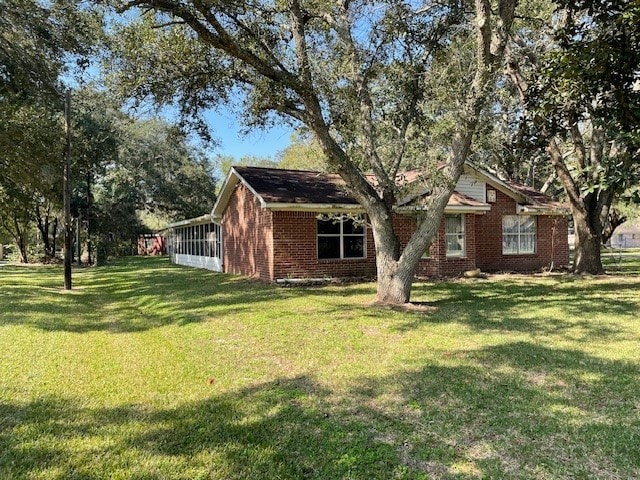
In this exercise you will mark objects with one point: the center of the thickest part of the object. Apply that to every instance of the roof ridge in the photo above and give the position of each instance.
(281, 169)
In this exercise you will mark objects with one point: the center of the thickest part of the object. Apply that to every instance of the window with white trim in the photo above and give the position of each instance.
(341, 238)
(518, 234)
(454, 235)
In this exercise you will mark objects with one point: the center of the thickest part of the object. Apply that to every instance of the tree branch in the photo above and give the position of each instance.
(578, 142)
(360, 80)
(557, 160)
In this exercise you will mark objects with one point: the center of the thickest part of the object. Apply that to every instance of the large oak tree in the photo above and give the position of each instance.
(579, 77)
(363, 76)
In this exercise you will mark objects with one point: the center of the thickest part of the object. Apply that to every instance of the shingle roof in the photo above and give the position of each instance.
(285, 189)
(536, 198)
(296, 186)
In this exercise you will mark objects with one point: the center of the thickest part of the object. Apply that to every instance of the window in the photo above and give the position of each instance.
(340, 238)
(454, 235)
(518, 234)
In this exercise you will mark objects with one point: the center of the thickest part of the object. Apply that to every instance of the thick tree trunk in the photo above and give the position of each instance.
(586, 219)
(394, 283)
(395, 267)
(587, 249)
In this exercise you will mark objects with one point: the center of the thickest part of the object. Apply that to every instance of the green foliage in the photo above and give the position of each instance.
(592, 78)
(149, 370)
(38, 43)
(225, 162)
(162, 171)
(303, 153)
(405, 58)
(593, 73)
(576, 70)
(169, 66)
(30, 146)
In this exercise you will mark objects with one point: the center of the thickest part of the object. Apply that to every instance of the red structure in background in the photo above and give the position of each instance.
(152, 244)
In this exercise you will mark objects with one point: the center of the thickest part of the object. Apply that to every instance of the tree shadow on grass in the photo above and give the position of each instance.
(132, 295)
(143, 293)
(280, 429)
(518, 410)
(555, 306)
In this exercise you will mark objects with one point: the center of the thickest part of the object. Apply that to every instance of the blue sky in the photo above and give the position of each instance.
(263, 143)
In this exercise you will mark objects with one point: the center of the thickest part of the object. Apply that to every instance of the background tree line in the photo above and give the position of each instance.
(128, 174)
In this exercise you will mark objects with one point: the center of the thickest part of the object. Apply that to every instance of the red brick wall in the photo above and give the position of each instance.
(489, 240)
(439, 264)
(280, 244)
(295, 250)
(247, 236)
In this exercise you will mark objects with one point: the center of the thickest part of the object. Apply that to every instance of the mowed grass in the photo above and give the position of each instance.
(152, 371)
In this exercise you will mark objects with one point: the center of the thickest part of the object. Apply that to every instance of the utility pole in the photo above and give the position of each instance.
(78, 245)
(67, 191)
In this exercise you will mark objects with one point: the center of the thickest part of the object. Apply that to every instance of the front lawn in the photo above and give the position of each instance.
(151, 371)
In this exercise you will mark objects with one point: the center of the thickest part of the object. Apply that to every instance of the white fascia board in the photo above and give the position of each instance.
(533, 210)
(191, 221)
(449, 209)
(467, 209)
(225, 193)
(315, 207)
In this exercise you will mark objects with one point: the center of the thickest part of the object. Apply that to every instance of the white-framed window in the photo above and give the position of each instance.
(454, 235)
(518, 234)
(341, 238)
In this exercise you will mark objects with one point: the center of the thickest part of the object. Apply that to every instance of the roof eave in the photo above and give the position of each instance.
(233, 177)
(190, 221)
(476, 209)
(542, 210)
(314, 207)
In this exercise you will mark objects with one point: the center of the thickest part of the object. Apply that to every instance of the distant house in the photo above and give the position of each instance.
(626, 235)
(275, 224)
(151, 244)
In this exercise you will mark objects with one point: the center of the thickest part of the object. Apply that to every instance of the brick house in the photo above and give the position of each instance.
(276, 224)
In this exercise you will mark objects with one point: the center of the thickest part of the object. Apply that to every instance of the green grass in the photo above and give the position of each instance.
(152, 371)
(622, 261)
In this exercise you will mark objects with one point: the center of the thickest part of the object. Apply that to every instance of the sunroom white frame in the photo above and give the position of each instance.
(196, 242)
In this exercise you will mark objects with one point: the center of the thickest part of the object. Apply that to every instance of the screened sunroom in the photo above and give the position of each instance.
(196, 242)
